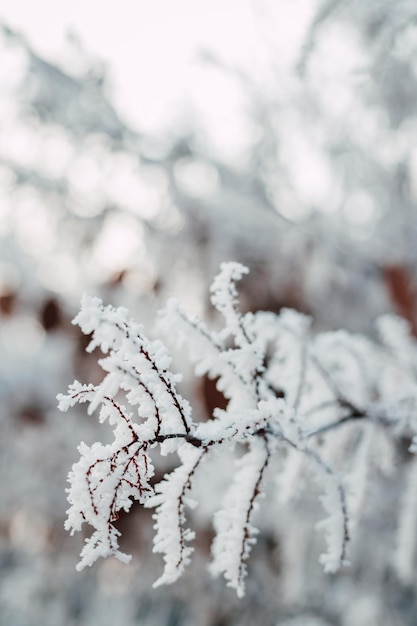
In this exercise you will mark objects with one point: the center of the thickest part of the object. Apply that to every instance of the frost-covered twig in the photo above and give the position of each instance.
(286, 388)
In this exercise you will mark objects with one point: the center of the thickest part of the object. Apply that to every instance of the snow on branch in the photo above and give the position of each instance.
(172, 495)
(234, 531)
(291, 394)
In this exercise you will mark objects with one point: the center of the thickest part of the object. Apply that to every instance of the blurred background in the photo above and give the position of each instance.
(142, 144)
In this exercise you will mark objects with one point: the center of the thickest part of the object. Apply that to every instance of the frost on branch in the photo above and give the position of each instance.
(332, 402)
(235, 533)
(172, 495)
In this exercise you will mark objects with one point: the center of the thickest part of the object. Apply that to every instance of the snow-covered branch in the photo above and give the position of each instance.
(289, 392)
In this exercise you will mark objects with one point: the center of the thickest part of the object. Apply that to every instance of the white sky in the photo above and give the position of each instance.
(151, 46)
(151, 50)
